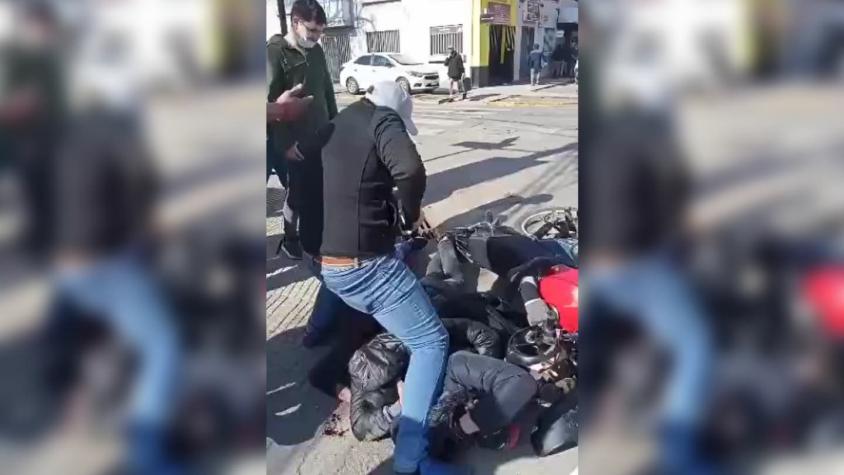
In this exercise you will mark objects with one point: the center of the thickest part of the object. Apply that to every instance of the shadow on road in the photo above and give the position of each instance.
(498, 208)
(441, 185)
(281, 271)
(295, 409)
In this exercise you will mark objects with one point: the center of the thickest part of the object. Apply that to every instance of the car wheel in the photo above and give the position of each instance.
(352, 86)
(404, 84)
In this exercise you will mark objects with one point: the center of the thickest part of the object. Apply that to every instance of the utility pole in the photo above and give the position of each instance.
(282, 16)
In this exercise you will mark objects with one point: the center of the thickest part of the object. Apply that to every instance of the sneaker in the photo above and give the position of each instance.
(292, 249)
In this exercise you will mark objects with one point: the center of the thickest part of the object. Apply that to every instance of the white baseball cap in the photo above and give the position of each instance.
(389, 94)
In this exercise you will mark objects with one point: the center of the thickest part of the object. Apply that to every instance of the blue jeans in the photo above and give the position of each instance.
(120, 291)
(328, 305)
(385, 288)
(654, 292)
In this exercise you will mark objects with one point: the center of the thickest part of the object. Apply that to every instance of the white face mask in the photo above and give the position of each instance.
(305, 43)
(302, 37)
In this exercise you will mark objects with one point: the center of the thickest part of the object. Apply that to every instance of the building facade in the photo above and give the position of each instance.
(488, 33)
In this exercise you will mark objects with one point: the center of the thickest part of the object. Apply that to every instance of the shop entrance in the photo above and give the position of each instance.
(501, 54)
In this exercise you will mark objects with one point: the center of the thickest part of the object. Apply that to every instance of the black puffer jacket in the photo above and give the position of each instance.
(377, 366)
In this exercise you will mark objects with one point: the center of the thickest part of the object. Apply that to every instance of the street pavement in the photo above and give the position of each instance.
(511, 160)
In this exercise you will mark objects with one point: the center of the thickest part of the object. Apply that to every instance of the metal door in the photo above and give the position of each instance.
(337, 52)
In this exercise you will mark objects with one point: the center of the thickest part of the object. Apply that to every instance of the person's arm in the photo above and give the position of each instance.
(289, 106)
(398, 153)
(330, 99)
(462, 66)
(284, 137)
(312, 145)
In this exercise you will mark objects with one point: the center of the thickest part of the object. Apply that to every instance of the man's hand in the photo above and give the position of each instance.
(20, 107)
(290, 106)
(293, 154)
(423, 227)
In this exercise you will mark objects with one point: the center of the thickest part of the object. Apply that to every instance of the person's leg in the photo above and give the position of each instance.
(323, 317)
(387, 289)
(121, 291)
(654, 293)
(290, 242)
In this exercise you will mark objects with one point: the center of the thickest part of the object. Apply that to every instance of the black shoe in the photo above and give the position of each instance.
(291, 248)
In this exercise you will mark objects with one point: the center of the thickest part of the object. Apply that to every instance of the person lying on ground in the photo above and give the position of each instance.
(522, 263)
(362, 334)
(482, 397)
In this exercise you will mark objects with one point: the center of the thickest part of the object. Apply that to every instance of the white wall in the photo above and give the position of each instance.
(413, 19)
(273, 25)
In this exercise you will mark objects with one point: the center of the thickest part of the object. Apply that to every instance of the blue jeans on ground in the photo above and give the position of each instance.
(385, 288)
(120, 291)
(655, 293)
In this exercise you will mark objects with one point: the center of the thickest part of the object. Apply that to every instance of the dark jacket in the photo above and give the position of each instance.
(377, 366)
(106, 185)
(288, 67)
(535, 59)
(348, 206)
(559, 53)
(635, 186)
(455, 66)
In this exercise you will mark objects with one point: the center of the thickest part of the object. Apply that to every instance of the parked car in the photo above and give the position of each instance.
(367, 69)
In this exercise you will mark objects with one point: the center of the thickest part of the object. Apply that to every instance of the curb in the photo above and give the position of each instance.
(533, 101)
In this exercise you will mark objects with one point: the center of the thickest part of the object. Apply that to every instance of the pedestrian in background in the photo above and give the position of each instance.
(535, 63)
(558, 62)
(297, 60)
(456, 73)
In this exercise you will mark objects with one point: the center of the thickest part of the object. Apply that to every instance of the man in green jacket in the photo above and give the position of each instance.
(297, 59)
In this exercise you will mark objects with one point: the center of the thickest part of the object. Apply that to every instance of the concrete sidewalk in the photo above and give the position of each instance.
(552, 92)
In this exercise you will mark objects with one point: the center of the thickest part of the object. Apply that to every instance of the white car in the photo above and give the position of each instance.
(367, 69)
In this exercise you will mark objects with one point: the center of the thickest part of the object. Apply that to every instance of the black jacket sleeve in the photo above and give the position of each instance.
(399, 154)
(467, 334)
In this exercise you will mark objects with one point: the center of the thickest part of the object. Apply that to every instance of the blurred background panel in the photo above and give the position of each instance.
(711, 164)
(131, 236)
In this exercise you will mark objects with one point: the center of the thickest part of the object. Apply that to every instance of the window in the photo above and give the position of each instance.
(405, 60)
(386, 41)
(444, 36)
(380, 61)
(364, 60)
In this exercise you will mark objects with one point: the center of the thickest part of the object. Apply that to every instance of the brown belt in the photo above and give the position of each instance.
(337, 261)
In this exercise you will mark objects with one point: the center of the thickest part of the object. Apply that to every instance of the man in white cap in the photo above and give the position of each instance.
(348, 232)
